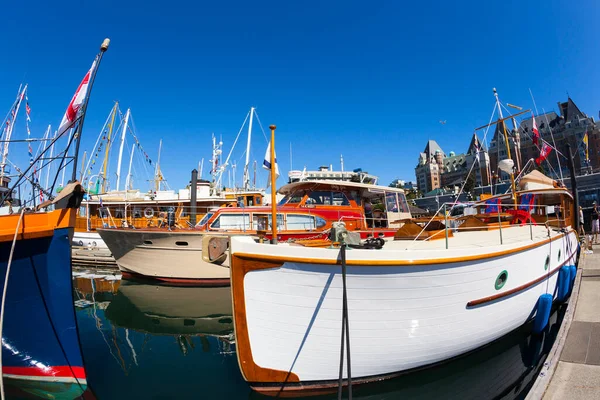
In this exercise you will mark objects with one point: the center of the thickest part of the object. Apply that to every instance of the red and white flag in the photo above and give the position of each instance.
(536, 133)
(76, 102)
(544, 153)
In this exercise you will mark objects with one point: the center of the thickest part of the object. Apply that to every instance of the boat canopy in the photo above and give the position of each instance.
(333, 184)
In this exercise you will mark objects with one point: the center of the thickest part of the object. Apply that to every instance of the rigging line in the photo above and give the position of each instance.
(96, 144)
(236, 139)
(261, 127)
(10, 257)
(532, 99)
(554, 144)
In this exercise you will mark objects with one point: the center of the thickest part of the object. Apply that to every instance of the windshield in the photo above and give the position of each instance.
(205, 219)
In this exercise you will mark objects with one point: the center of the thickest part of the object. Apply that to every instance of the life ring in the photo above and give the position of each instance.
(148, 212)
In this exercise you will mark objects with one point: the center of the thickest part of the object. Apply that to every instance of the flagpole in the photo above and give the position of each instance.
(273, 187)
(103, 48)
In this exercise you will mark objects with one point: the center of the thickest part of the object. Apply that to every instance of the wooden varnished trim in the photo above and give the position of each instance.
(35, 224)
(265, 258)
(525, 286)
(250, 370)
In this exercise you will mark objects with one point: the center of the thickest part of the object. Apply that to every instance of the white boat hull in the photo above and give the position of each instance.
(401, 316)
(175, 257)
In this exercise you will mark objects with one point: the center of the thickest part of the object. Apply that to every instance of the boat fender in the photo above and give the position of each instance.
(148, 212)
(563, 283)
(542, 315)
(572, 275)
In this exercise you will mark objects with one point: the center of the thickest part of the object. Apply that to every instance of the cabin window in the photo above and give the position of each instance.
(255, 221)
(391, 202)
(103, 212)
(403, 203)
(301, 222)
(328, 199)
(294, 198)
(257, 200)
(119, 213)
(205, 219)
(137, 212)
(232, 221)
(320, 222)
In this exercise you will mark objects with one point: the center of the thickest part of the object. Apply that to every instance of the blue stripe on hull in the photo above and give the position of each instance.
(40, 291)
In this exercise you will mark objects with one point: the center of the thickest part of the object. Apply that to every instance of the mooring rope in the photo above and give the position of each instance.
(345, 330)
(12, 250)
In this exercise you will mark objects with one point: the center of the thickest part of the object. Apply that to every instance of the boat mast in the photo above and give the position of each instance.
(51, 154)
(273, 187)
(157, 174)
(9, 129)
(121, 148)
(247, 165)
(128, 179)
(512, 175)
(108, 146)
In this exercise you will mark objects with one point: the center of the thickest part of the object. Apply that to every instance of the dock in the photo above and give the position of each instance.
(82, 256)
(572, 369)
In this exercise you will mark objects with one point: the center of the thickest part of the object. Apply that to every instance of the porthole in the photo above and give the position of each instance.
(147, 241)
(501, 280)
(547, 263)
(181, 243)
(559, 254)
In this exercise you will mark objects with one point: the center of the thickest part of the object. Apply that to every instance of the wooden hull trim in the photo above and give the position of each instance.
(208, 282)
(395, 263)
(518, 289)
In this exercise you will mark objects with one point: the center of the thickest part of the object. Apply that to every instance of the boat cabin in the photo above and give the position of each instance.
(315, 205)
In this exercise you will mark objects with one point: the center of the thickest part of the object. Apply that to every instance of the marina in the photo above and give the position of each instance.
(154, 244)
(131, 353)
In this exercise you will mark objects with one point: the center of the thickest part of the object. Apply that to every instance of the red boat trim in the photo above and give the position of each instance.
(178, 281)
(50, 372)
(518, 289)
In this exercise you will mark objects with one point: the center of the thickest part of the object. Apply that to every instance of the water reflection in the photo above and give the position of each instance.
(154, 341)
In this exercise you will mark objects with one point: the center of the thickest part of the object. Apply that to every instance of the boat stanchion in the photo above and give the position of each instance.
(563, 283)
(193, 196)
(542, 315)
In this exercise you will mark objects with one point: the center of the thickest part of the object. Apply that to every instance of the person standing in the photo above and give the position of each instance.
(595, 223)
(581, 221)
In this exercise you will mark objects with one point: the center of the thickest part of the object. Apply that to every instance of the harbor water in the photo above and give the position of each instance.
(143, 340)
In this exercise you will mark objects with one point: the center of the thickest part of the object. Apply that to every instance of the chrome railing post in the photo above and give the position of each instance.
(446, 225)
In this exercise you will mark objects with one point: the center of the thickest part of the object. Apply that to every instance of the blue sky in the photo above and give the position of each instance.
(366, 80)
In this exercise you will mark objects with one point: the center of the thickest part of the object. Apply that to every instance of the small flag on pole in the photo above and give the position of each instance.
(267, 161)
(28, 110)
(536, 133)
(544, 153)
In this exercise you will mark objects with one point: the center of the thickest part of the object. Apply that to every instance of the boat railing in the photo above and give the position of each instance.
(507, 218)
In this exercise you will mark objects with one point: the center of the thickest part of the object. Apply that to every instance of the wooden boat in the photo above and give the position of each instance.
(40, 344)
(411, 304)
(307, 211)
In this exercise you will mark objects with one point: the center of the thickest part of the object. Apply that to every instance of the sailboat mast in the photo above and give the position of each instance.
(9, 130)
(121, 147)
(108, 146)
(128, 179)
(512, 175)
(157, 174)
(247, 165)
